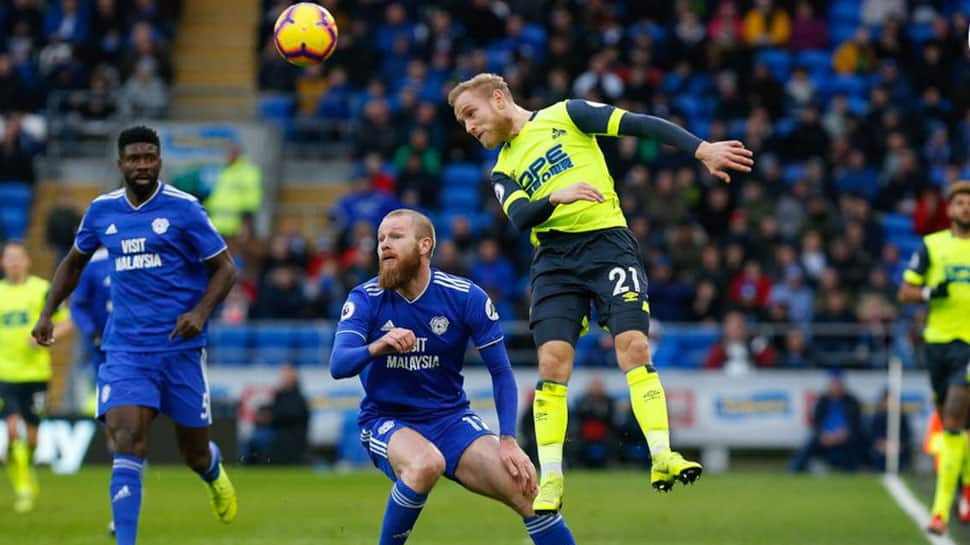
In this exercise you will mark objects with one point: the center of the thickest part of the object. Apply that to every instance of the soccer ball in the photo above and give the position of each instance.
(305, 34)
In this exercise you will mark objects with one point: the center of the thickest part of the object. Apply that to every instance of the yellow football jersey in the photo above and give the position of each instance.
(20, 306)
(944, 257)
(550, 153)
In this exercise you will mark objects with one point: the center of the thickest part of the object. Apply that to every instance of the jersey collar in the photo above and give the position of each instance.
(418, 296)
(158, 189)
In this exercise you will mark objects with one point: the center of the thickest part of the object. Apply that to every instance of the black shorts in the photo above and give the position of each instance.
(27, 399)
(949, 365)
(572, 270)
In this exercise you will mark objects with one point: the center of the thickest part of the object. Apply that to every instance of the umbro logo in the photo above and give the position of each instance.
(556, 133)
(121, 494)
(389, 325)
(111, 230)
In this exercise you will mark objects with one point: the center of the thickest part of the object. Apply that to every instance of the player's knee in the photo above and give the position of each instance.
(632, 349)
(129, 441)
(424, 471)
(555, 361)
(518, 500)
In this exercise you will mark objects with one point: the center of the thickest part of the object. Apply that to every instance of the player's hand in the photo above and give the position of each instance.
(719, 157)
(189, 325)
(518, 465)
(396, 340)
(43, 332)
(579, 191)
(940, 290)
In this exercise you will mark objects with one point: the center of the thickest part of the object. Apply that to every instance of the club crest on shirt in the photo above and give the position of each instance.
(439, 324)
(347, 311)
(490, 310)
(160, 225)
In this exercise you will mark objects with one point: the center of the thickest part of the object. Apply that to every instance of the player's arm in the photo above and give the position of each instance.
(595, 118)
(525, 213)
(913, 289)
(504, 389)
(66, 278)
(222, 275)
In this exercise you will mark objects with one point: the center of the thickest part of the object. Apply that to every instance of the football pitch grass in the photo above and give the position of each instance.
(300, 506)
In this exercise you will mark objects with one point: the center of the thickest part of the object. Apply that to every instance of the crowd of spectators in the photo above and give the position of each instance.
(857, 111)
(85, 61)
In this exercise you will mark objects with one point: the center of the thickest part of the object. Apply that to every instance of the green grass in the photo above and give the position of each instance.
(290, 507)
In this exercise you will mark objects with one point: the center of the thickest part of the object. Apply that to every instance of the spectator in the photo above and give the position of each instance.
(146, 47)
(62, 222)
(738, 353)
(418, 145)
(448, 259)
(795, 295)
(808, 31)
(797, 353)
(599, 79)
(837, 434)
(290, 418)
(594, 416)
(668, 295)
(280, 297)
(930, 214)
(750, 288)
(16, 163)
(375, 133)
(879, 432)
(144, 94)
(855, 56)
(238, 192)
(767, 25)
(493, 272)
(14, 93)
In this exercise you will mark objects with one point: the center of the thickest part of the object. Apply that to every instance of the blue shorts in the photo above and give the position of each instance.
(173, 383)
(451, 433)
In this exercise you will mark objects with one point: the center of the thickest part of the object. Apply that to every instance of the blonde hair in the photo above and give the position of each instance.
(956, 188)
(485, 83)
(423, 228)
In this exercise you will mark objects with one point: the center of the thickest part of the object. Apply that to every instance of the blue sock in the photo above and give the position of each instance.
(212, 473)
(549, 530)
(403, 508)
(125, 489)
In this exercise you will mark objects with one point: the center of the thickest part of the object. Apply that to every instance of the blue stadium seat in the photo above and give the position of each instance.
(308, 345)
(460, 198)
(817, 62)
(907, 244)
(843, 11)
(272, 343)
(14, 221)
(778, 61)
(784, 126)
(792, 173)
(840, 32)
(897, 225)
(228, 344)
(15, 194)
(467, 174)
(919, 33)
(695, 343)
(278, 110)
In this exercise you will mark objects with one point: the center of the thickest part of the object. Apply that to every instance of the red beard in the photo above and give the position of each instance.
(392, 277)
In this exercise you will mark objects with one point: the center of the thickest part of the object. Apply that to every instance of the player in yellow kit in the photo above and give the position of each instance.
(25, 367)
(939, 274)
(551, 176)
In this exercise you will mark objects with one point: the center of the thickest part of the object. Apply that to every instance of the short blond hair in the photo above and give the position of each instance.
(423, 228)
(957, 188)
(485, 83)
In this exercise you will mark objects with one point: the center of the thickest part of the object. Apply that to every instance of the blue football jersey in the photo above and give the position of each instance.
(427, 381)
(157, 253)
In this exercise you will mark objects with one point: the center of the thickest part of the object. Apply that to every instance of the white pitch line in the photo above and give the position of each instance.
(912, 507)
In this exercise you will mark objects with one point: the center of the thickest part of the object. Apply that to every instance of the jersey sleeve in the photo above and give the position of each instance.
(482, 318)
(523, 212)
(594, 117)
(355, 315)
(201, 234)
(915, 272)
(86, 240)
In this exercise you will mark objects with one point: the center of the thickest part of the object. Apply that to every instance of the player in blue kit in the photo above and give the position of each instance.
(91, 304)
(170, 269)
(405, 334)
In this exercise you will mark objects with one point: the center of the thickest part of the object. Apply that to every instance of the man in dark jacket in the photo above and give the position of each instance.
(838, 435)
(290, 418)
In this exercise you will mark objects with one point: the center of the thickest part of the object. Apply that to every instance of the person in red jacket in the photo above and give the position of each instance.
(738, 352)
(930, 216)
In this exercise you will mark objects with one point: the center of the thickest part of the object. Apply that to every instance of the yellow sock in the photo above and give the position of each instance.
(650, 407)
(551, 414)
(18, 462)
(952, 453)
